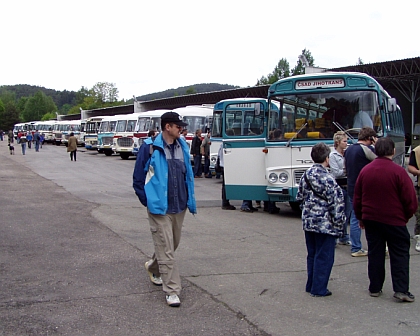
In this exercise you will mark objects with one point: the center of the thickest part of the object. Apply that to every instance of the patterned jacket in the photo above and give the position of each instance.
(322, 202)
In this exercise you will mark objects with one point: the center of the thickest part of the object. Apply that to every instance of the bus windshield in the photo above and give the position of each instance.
(317, 116)
(195, 123)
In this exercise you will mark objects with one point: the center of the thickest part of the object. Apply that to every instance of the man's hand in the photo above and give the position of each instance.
(361, 225)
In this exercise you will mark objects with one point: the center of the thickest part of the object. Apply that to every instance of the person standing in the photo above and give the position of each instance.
(323, 218)
(196, 153)
(1, 134)
(338, 171)
(356, 157)
(163, 181)
(205, 151)
(72, 146)
(413, 168)
(384, 182)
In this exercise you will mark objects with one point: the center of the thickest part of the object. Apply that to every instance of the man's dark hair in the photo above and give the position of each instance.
(366, 133)
(320, 152)
(384, 147)
(151, 133)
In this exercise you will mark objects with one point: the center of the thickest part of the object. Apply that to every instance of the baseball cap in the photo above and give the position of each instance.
(172, 117)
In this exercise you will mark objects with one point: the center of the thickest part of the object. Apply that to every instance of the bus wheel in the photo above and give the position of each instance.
(57, 143)
(108, 153)
(124, 156)
(295, 206)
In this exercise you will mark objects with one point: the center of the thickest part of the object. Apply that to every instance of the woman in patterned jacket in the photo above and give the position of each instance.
(323, 217)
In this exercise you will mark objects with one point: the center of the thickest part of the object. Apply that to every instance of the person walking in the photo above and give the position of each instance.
(413, 168)
(323, 218)
(72, 146)
(37, 139)
(163, 181)
(356, 157)
(384, 182)
(196, 153)
(22, 141)
(338, 171)
(29, 139)
(10, 137)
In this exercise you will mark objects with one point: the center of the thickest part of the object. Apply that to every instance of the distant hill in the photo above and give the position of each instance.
(24, 90)
(184, 90)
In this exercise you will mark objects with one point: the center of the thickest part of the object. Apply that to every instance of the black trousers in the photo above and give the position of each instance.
(398, 240)
(73, 154)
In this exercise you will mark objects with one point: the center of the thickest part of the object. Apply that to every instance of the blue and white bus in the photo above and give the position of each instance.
(267, 143)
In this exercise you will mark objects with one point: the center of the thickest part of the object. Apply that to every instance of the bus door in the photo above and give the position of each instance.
(244, 138)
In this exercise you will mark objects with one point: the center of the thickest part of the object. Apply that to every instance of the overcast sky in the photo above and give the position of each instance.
(147, 46)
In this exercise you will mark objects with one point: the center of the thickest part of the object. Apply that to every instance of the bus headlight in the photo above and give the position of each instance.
(283, 177)
(213, 160)
(272, 178)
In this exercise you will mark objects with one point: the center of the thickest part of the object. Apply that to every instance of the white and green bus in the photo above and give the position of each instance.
(267, 142)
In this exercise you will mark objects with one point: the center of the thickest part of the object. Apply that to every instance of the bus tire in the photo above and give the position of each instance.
(295, 206)
(108, 153)
(124, 156)
(57, 143)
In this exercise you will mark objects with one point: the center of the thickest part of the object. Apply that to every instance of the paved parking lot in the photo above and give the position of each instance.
(75, 238)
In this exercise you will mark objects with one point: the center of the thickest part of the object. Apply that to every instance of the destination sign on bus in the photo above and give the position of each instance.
(320, 83)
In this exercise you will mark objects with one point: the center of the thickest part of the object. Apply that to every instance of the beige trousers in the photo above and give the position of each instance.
(166, 234)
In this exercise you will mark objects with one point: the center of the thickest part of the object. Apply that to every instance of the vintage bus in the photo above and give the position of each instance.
(69, 127)
(147, 121)
(90, 135)
(46, 129)
(57, 132)
(124, 133)
(106, 135)
(196, 116)
(267, 143)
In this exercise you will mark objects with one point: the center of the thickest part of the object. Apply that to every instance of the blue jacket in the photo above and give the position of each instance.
(154, 193)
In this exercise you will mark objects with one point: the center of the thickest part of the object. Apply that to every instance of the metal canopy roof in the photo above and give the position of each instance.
(404, 75)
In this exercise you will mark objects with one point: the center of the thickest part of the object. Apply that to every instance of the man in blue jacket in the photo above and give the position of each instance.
(164, 182)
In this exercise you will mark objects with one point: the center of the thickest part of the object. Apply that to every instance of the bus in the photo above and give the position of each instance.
(90, 135)
(106, 135)
(69, 127)
(45, 128)
(124, 134)
(267, 143)
(146, 121)
(57, 132)
(196, 116)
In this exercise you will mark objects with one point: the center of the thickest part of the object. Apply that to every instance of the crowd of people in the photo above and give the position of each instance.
(24, 139)
(346, 187)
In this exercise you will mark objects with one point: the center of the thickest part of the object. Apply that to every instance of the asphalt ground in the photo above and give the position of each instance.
(74, 240)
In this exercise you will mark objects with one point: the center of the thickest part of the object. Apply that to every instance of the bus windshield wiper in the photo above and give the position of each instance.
(341, 128)
(296, 134)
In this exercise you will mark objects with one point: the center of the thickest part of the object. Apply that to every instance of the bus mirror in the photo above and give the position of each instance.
(257, 109)
(392, 105)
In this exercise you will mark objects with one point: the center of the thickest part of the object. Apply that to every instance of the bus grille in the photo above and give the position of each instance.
(298, 175)
(58, 136)
(107, 140)
(67, 136)
(125, 142)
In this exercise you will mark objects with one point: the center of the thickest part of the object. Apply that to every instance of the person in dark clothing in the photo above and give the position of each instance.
(356, 157)
(196, 153)
(384, 182)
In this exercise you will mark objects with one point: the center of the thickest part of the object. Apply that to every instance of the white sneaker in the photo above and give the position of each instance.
(173, 300)
(417, 237)
(153, 278)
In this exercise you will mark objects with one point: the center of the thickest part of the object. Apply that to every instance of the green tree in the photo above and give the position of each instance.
(299, 69)
(105, 92)
(48, 116)
(65, 109)
(37, 106)
(9, 115)
(190, 90)
(281, 70)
